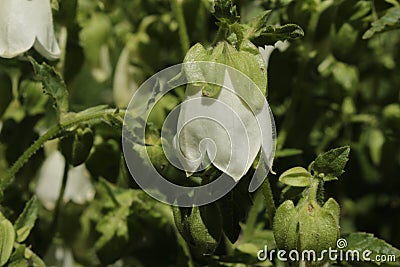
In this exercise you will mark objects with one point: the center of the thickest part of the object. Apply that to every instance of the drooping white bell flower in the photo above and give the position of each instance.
(25, 24)
(223, 131)
(79, 188)
(267, 50)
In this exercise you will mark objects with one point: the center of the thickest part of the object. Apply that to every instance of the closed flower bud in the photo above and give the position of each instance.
(201, 227)
(308, 226)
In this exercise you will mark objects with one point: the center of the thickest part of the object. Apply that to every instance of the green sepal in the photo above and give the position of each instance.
(246, 60)
(297, 176)
(26, 220)
(318, 227)
(285, 225)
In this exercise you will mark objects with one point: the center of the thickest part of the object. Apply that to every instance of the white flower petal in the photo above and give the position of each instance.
(236, 138)
(17, 30)
(27, 23)
(268, 49)
(124, 83)
(79, 189)
(45, 42)
(282, 46)
(266, 52)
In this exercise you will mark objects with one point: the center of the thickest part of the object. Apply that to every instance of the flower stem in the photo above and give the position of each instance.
(51, 133)
(183, 34)
(221, 35)
(269, 199)
(60, 198)
(251, 221)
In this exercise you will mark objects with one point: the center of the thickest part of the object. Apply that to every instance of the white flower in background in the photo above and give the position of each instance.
(223, 129)
(124, 79)
(79, 189)
(59, 255)
(268, 49)
(25, 24)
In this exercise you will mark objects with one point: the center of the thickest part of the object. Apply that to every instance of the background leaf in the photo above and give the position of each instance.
(389, 21)
(332, 163)
(365, 241)
(26, 220)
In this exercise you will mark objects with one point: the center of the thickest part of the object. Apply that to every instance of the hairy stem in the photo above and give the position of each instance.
(251, 221)
(60, 199)
(269, 199)
(51, 133)
(183, 34)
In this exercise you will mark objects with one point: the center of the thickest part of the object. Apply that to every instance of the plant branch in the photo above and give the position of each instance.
(60, 199)
(269, 200)
(51, 133)
(183, 33)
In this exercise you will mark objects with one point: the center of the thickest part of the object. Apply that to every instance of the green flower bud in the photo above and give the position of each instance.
(286, 222)
(318, 226)
(201, 227)
(308, 226)
(76, 146)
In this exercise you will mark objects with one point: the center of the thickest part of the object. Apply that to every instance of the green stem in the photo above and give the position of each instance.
(313, 190)
(252, 218)
(51, 133)
(15, 75)
(60, 199)
(183, 34)
(269, 199)
(221, 35)
(63, 47)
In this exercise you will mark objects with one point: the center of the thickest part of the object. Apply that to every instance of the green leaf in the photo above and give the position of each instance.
(53, 85)
(297, 176)
(260, 34)
(33, 98)
(376, 139)
(7, 238)
(115, 221)
(287, 152)
(26, 220)
(389, 21)
(225, 11)
(343, 74)
(93, 38)
(330, 165)
(361, 242)
(18, 257)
